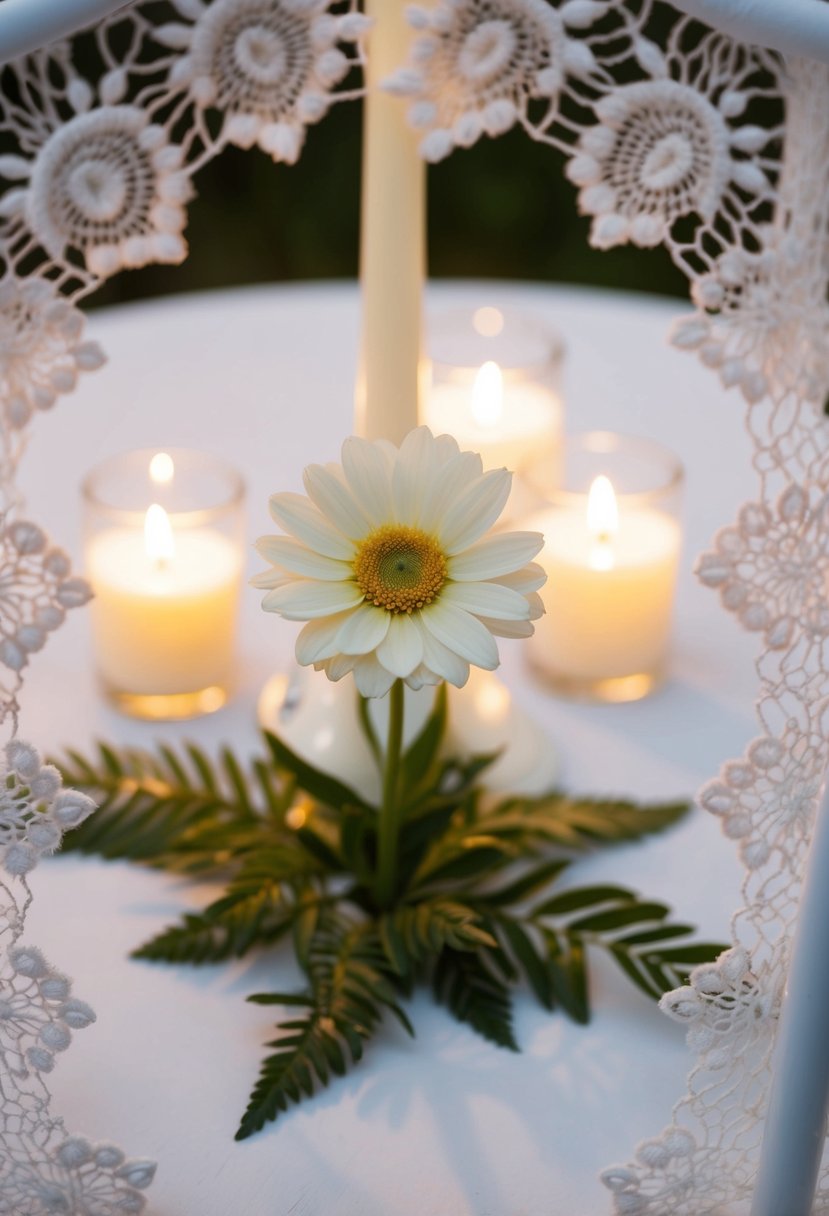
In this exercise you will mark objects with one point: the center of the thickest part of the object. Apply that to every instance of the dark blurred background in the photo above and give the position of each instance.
(502, 209)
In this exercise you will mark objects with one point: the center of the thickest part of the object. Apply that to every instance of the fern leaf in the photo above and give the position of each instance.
(463, 983)
(579, 823)
(227, 928)
(637, 934)
(524, 950)
(348, 992)
(289, 1072)
(413, 932)
(166, 809)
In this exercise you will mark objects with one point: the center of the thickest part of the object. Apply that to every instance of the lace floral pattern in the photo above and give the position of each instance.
(478, 63)
(41, 1169)
(41, 349)
(762, 321)
(36, 590)
(772, 569)
(107, 184)
(101, 170)
(34, 810)
(660, 150)
(77, 1176)
(660, 138)
(269, 68)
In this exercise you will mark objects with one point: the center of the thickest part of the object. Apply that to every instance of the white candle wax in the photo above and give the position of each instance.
(609, 599)
(392, 239)
(164, 627)
(522, 429)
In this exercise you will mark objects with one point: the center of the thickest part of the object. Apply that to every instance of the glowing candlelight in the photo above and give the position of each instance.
(611, 565)
(162, 469)
(488, 395)
(159, 543)
(166, 584)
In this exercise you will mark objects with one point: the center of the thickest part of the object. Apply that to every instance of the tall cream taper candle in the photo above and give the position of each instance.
(393, 239)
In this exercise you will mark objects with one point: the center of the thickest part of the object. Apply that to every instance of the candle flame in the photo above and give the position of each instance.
(158, 535)
(488, 322)
(602, 511)
(162, 469)
(488, 395)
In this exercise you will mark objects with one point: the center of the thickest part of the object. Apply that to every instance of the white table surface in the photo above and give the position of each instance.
(447, 1125)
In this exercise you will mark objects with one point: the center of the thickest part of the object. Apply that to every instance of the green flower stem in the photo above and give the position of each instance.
(389, 825)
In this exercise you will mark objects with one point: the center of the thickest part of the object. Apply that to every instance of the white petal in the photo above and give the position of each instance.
(269, 602)
(402, 648)
(306, 599)
(475, 511)
(509, 629)
(317, 639)
(367, 471)
(455, 476)
(528, 578)
(441, 660)
(495, 555)
(298, 559)
(536, 605)
(302, 519)
(364, 630)
(420, 677)
(461, 633)
(338, 666)
(268, 579)
(487, 599)
(415, 471)
(445, 448)
(336, 501)
(371, 678)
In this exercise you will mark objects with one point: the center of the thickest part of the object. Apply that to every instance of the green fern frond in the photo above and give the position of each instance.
(175, 811)
(475, 995)
(637, 934)
(578, 823)
(348, 993)
(413, 932)
(227, 928)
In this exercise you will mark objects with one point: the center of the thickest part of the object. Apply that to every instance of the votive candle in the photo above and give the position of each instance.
(611, 552)
(496, 388)
(164, 557)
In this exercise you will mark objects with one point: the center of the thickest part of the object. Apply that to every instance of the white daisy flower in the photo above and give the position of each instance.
(387, 561)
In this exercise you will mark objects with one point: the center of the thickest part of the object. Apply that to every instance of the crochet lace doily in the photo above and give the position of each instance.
(688, 139)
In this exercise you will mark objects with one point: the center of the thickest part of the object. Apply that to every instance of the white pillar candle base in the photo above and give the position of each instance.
(318, 719)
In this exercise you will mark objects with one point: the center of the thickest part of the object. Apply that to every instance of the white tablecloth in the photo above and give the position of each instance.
(447, 1125)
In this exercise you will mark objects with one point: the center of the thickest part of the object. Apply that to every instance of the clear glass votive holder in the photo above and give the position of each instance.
(495, 385)
(163, 545)
(611, 554)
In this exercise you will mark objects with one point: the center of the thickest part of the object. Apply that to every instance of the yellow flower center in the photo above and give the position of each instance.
(399, 568)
